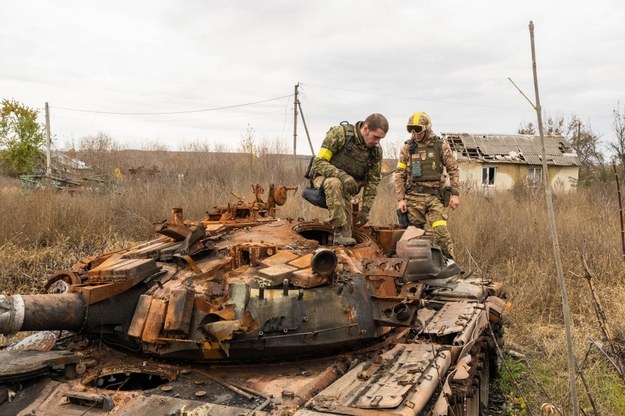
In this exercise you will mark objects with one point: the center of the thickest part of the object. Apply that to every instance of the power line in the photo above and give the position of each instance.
(403, 97)
(172, 112)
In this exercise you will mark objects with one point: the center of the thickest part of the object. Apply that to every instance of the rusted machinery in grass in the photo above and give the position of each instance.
(242, 313)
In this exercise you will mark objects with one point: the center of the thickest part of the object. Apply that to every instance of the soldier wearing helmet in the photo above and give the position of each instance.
(350, 159)
(420, 180)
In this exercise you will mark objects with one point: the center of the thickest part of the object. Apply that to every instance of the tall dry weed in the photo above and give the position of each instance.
(505, 235)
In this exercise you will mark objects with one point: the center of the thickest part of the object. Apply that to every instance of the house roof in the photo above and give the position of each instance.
(512, 148)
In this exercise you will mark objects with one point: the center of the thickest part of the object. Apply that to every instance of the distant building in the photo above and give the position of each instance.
(498, 162)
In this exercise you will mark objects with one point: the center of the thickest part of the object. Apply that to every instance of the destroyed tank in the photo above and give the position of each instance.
(242, 313)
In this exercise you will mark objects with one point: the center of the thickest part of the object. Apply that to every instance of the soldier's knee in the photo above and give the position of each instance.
(332, 185)
(441, 233)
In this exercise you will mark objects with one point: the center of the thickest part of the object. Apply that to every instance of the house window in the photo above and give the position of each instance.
(534, 174)
(488, 176)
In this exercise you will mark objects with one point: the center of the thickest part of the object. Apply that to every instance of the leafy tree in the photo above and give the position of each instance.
(21, 138)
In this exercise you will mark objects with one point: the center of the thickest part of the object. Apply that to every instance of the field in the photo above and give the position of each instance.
(504, 235)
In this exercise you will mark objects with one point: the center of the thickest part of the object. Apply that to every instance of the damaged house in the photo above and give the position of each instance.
(63, 172)
(498, 162)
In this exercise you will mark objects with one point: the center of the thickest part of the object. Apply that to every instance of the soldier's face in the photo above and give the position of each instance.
(417, 136)
(371, 137)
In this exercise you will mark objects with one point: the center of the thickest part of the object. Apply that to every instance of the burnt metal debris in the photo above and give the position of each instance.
(242, 313)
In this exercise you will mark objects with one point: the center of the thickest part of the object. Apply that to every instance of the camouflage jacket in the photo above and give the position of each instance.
(334, 141)
(447, 159)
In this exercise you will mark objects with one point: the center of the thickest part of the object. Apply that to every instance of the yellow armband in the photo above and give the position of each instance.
(325, 154)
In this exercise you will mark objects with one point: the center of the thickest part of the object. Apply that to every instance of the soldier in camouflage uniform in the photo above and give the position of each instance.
(420, 180)
(350, 159)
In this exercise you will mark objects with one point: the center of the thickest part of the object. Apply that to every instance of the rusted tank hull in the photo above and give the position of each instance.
(241, 313)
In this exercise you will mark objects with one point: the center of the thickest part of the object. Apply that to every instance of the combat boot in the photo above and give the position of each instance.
(343, 237)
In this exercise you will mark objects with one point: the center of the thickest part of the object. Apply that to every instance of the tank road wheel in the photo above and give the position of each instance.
(471, 400)
(465, 399)
(483, 379)
(470, 396)
(472, 405)
(495, 345)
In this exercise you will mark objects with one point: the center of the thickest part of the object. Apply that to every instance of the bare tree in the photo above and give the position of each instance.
(100, 143)
(553, 125)
(586, 143)
(248, 143)
(582, 139)
(527, 128)
(619, 131)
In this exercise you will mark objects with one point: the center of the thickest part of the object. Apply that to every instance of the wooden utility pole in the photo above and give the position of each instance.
(48, 143)
(554, 239)
(295, 102)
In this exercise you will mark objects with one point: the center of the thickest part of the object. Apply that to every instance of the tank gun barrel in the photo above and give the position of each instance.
(41, 312)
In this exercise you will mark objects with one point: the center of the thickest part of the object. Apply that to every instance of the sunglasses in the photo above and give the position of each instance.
(416, 129)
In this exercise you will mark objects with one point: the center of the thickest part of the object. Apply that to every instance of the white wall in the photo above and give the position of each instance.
(563, 178)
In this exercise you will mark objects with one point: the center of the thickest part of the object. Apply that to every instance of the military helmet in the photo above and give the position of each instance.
(418, 122)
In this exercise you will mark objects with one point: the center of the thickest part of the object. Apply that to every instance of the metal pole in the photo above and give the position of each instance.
(554, 239)
(295, 101)
(620, 206)
(48, 143)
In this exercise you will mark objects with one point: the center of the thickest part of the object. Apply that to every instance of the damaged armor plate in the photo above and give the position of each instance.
(244, 313)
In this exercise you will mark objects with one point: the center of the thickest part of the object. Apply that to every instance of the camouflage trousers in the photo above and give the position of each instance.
(428, 209)
(339, 202)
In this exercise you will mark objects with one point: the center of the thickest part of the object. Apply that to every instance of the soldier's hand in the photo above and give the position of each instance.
(401, 205)
(349, 183)
(454, 201)
(362, 217)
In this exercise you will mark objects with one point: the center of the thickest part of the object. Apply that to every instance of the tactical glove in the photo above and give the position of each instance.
(362, 217)
(349, 183)
(402, 218)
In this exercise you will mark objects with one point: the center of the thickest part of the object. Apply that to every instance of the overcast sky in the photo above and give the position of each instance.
(198, 62)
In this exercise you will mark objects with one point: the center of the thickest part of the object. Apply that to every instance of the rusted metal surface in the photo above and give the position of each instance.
(39, 341)
(242, 313)
(41, 312)
(22, 365)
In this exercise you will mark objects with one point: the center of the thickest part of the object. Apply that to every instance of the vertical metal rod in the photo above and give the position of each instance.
(48, 143)
(620, 206)
(554, 239)
(295, 101)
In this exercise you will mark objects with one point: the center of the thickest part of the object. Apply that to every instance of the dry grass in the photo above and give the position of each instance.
(506, 235)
